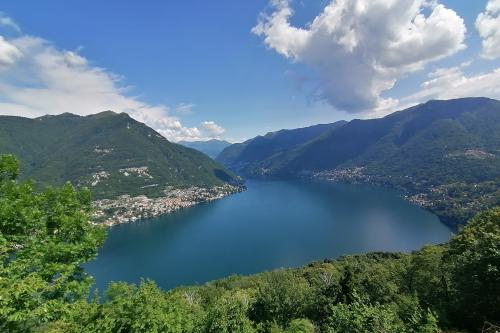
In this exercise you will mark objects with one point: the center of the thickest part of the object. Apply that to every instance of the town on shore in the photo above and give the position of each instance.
(127, 208)
(453, 202)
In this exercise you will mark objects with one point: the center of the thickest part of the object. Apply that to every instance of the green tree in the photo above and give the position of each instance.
(44, 239)
(300, 326)
(359, 317)
(428, 276)
(146, 308)
(282, 298)
(474, 257)
(229, 314)
(9, 167)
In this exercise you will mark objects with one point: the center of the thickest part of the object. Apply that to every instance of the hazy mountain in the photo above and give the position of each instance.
(211, 148)
(111, 153)
(250, 155)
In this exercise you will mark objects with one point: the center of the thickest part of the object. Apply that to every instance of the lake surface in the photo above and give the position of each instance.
(271, 225)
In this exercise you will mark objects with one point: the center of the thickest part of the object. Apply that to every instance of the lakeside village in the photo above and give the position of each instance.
(358, 175)
(126, 208)
(469, 197)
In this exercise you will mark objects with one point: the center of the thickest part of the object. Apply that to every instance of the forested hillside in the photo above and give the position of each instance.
(111, 153)
(46, 236)
(445, 155)
(250, 155)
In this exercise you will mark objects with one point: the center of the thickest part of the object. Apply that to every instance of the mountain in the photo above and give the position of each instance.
(252, 154)
(211, 148)
(444, 155)
(111, 153)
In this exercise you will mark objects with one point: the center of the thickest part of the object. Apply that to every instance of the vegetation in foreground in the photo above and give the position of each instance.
(45, 237)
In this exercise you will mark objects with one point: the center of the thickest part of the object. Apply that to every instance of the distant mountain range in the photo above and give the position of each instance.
(111, 153)
(211, 148)
(445, 155)
(251, 156)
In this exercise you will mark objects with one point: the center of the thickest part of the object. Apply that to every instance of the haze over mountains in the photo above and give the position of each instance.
(111, 153)
(454, 143)
(212, 147)
(250, 155)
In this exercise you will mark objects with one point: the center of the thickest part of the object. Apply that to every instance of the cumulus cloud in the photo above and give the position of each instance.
(212, 129)
(37, 79)
(488, 26)
(360, 48)
(9, 53)
(448, 83)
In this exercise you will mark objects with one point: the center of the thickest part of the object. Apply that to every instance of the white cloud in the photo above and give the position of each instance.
(488, 26)
(212, 129)
(448, 83)
(38, 79)
(184, 108)
(9, 54)
(8, 22)
(360, 48)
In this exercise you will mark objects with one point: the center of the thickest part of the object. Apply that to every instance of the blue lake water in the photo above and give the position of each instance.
(271, 225)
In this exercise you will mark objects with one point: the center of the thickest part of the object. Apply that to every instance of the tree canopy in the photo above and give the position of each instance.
(45, 237)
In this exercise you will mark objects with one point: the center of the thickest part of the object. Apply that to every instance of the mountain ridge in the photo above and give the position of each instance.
(443, 155)
(264, 147)
(109, 152)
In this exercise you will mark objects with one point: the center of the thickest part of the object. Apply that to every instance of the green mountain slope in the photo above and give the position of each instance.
(426, 140)
(445, 155)
(111, 153)
(211, 148)
(254, 154)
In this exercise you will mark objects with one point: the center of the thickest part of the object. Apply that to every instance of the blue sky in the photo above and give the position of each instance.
(199, 64)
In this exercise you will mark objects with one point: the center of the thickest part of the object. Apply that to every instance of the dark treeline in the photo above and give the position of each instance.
(45, 237)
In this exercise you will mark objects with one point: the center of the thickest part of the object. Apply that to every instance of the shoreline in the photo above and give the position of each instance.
(127, 209)
(436, 199)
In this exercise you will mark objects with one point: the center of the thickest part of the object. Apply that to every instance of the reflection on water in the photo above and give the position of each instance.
(273, 224)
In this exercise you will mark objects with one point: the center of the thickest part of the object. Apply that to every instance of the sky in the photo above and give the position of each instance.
(195, 69)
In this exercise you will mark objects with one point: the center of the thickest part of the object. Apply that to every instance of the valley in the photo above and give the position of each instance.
(271, 225)
(441, 155)
(264, 166)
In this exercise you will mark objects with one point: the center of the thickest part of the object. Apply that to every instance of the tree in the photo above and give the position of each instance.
(145, 308)
(474, 257)
(300, 326)
(428, 277)
(229, 314)
(44, 239)
(282, 298)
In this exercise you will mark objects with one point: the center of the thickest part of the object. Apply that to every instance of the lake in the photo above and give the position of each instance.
(271, 225)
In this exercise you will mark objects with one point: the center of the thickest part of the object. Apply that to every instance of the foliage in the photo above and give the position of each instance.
(46, 236)
(361, 316)
(229, 314)
(474, 257)
(145, 309)
(281, 298)
(300, 326)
